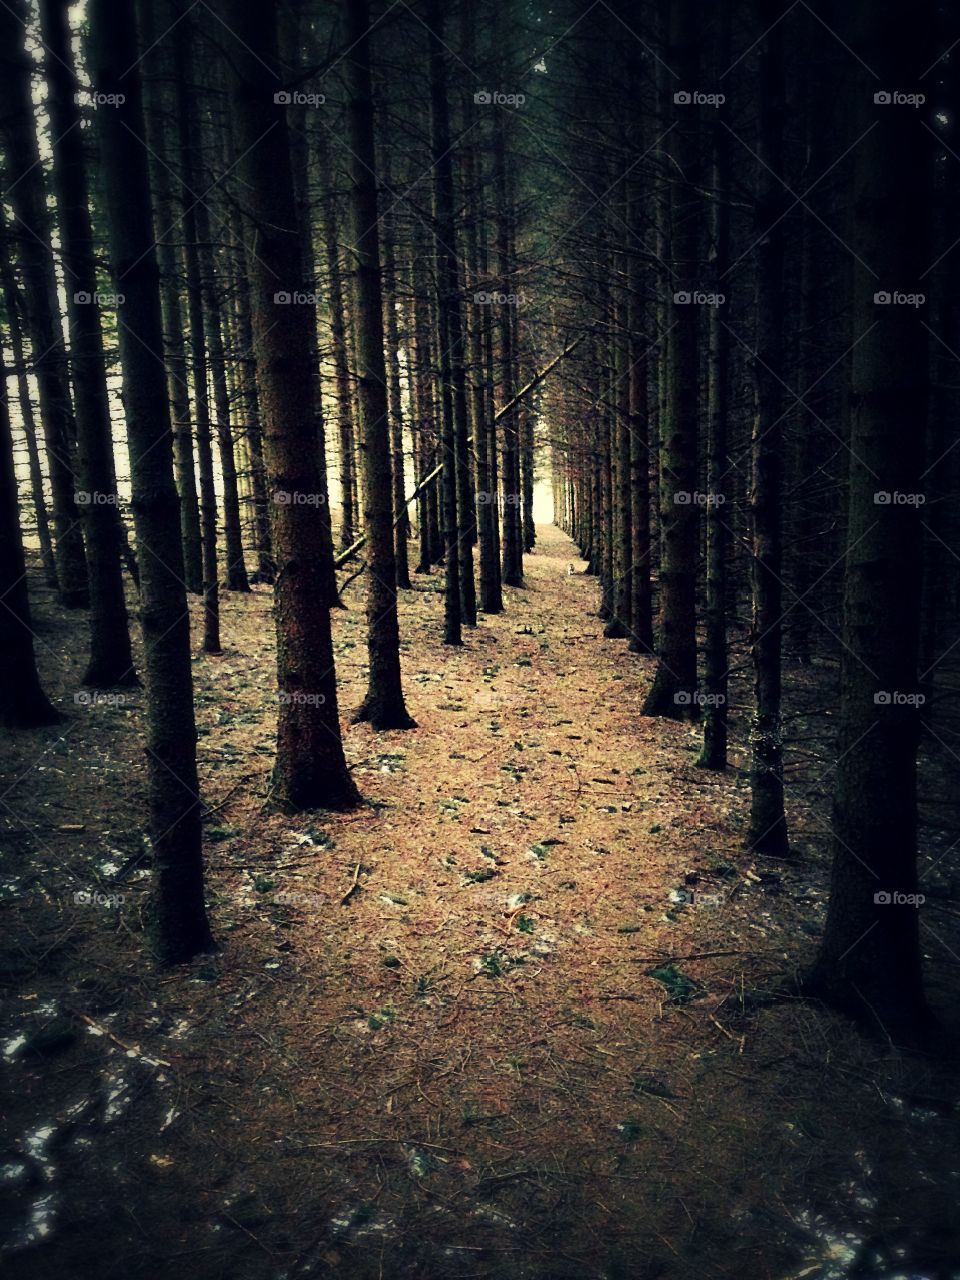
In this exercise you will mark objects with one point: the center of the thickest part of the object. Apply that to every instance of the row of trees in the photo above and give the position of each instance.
(752, 430)
(189, 144)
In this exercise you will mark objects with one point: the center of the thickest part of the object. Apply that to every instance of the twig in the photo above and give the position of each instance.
(353, 886)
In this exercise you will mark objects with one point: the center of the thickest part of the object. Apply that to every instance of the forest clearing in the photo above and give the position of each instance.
(479, 639)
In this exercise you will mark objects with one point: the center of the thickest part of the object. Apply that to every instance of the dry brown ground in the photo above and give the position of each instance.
(463, 1067)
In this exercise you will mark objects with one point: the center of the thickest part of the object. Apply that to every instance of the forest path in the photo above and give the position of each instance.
(488, 1024)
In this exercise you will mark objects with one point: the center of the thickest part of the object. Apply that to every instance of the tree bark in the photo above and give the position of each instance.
(383, 706)
(869, 959)
(181, 922)
(25, 190)
(23, 703)
(310, 770)
(111, 657)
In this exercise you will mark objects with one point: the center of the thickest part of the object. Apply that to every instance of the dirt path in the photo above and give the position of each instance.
(490, 1025)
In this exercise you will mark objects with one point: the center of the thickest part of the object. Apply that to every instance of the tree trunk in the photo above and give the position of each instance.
(383, 706)
(157, 72)
(181, 922)
(192, 210)
(12, 305)
(25, 191)
(401, 530)
(714, 752)
(458, 499)
(23, 703)
(341, 359)
(767, 831)
(111, 657)
(675, 683)
(310, 770)
(869, 958)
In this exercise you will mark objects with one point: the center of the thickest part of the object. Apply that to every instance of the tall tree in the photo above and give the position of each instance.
(111, 657)
(310, 770)
(869, 957)
(175, 809)
(23, 703)
(27, 197)
(767, 832)
(12, 306)
(383, 705)
(193, 209)
(675, 681)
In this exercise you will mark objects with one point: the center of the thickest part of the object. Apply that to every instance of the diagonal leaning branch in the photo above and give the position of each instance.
(345, 556)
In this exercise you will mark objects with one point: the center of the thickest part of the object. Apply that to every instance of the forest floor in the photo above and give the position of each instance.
(495, 1023)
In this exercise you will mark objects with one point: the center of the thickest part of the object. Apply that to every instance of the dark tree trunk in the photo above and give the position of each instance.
(253, 431)
(310, 770)
(192, 211)
(12, 304)
(111, 657)
(383, 706)
(767, 832)
(25, 191)
(23, 703)
(674, 687)
(157, 72)
(714, 752)
(401, 530)
(869, 959)
(458, 499)
(181, 922)
(341, 357)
